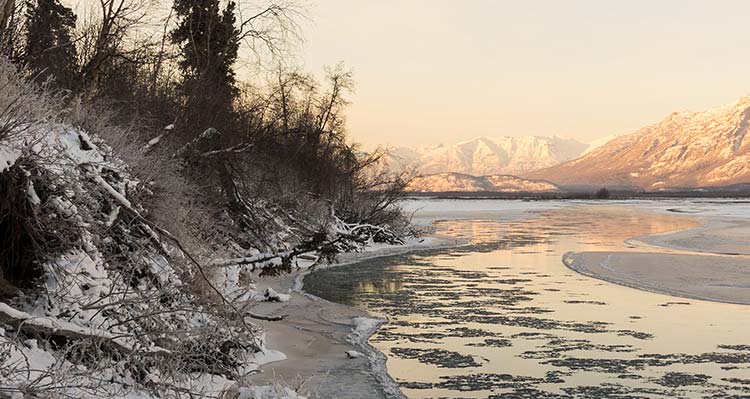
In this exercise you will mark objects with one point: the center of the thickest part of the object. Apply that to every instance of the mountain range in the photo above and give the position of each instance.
(685, 149)
(489, 156)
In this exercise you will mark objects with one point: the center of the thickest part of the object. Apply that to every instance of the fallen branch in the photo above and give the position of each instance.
(52, 327)
(350, 235)
(237, 149)
(267, 318)
(151, 143)
(254, 260)
(126, 205)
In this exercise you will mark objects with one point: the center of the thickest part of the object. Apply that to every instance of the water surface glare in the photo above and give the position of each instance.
(503, 318)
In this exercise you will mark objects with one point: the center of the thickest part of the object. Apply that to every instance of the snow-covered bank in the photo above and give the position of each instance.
(121, 278)
(704, 277)
(313, 336)
(153, 333)
(322, 340)
(723, 227)
(707, 262)
(338, 329)
(107, 308)
(723, 236)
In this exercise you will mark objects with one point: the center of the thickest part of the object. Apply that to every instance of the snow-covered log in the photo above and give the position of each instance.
(237, 149)
(48, 326)
(152, 143)
(346, 237)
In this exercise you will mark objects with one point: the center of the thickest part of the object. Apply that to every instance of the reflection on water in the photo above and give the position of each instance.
(504, 318)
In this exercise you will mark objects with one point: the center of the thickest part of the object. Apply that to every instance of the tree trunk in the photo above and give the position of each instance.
(6, 9)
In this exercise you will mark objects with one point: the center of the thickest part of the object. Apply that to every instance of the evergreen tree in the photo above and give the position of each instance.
(209, 43)
(50, 52)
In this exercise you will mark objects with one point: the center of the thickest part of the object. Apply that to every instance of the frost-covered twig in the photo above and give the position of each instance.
(151, 143)
(237, 149)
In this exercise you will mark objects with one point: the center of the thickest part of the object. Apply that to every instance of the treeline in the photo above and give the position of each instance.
(247, 158)
(727, 192)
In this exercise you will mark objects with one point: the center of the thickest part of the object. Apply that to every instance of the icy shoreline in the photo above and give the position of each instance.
(343, 328)
(708, 262)
(365, 327)
(340, 325)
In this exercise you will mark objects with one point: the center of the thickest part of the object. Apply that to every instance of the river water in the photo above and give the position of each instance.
(502, 317)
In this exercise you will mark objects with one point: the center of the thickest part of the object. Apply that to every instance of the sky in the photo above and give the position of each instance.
(435, 71)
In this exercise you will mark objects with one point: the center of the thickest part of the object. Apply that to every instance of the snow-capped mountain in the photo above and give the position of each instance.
(458, 182)
(686, 149)
(489, 156)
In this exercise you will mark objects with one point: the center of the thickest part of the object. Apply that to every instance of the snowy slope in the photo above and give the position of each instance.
(489, 156)
(457, 182)
(141, 331)
(593, 145)
(686, 149)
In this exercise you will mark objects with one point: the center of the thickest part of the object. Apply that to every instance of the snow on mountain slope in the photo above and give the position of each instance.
(457, 182)
(489, 156)
(598, 143)
(686, 149)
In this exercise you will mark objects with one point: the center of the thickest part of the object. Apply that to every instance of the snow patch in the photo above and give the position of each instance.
(270, 295)
(268, 392)
(266, 356)
(363, 328)
(8, 156)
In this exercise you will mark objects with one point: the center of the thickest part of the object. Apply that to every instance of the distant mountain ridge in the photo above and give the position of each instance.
(686, 149)
(489, 156)
(458, 182)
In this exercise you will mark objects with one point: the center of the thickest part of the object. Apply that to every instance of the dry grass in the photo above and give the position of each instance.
(24, 106)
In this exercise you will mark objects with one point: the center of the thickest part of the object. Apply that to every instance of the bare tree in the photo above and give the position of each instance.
(104, 33)
(11, 29)
(270, 26)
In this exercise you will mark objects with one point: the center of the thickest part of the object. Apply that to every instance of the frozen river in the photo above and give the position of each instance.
(503, 317)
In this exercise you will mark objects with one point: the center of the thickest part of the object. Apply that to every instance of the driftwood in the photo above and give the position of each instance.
(48, 326)
(351, 234)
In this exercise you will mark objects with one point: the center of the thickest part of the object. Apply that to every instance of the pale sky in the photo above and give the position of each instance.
(436, 71)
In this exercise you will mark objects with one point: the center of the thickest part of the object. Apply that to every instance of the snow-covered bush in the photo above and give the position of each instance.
(24, 236)
(98, 285)
(23, 107)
